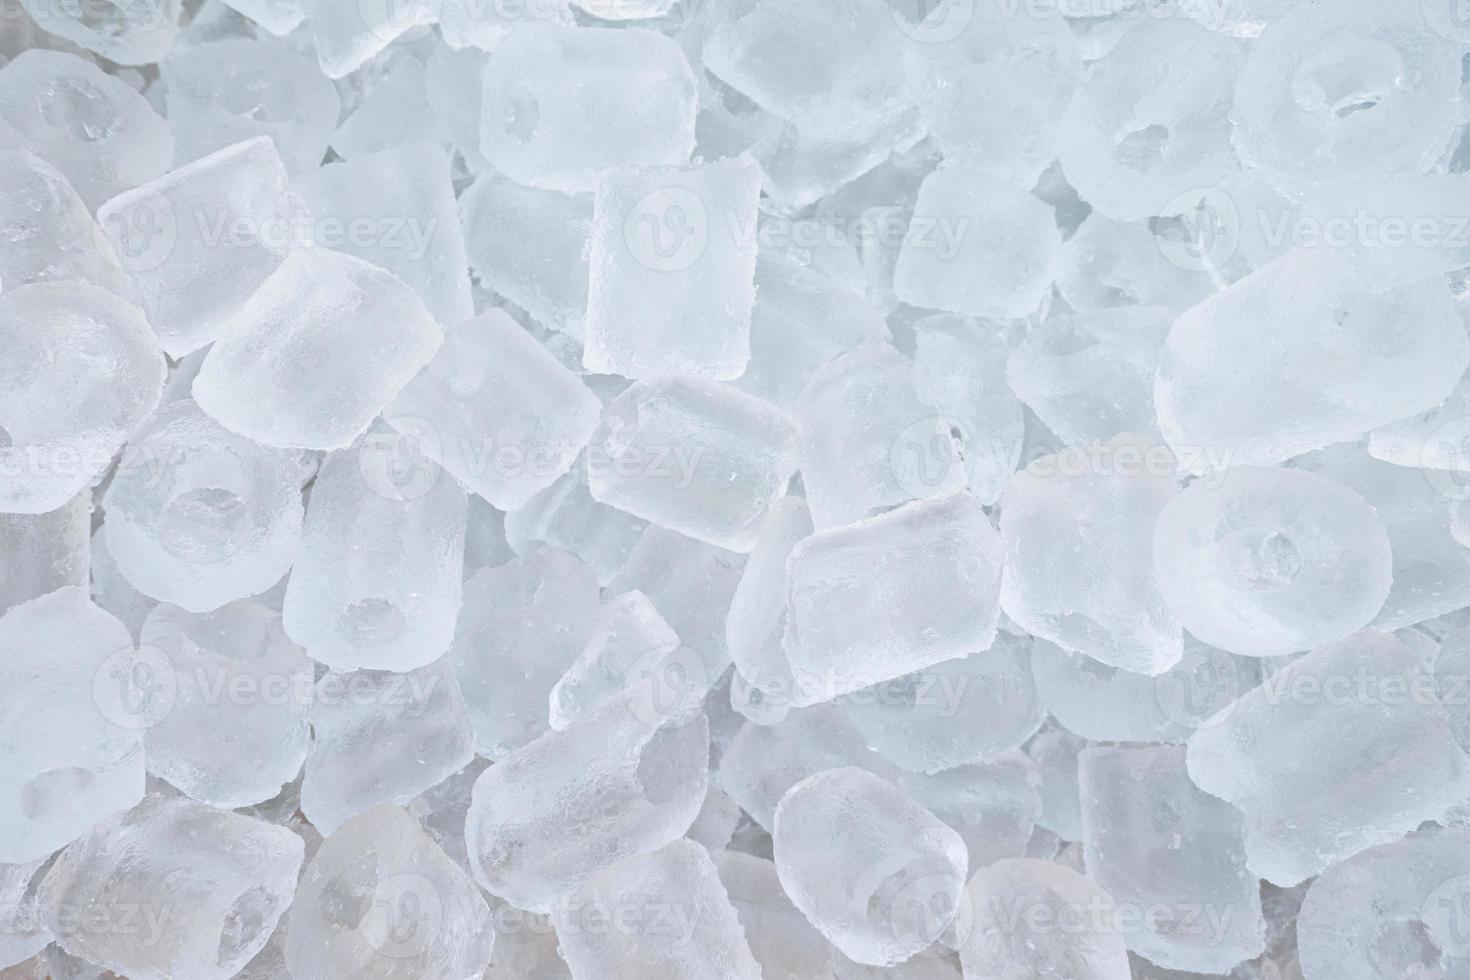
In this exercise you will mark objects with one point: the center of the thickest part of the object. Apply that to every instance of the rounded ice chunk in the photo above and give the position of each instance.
(877, 874)
(1151, 120)
(316, 352)
(209, 886)
(88, 124)
(80, 371)
(1034, 918)
(235, 730)
(198, 516)
(1300, 354)
(1079, 570)
(72, 747)
(380, 899)
(1263, 561)
(564, 104)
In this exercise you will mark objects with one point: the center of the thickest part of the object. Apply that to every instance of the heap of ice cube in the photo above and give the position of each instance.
(734, 489)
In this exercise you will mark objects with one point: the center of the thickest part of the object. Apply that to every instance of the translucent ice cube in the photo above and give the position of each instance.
(82, 370)
(756, 623)
(50, 234)
(781, 939)
(465, 23)
(22, 933)
(278, 17)
(45, 552)
(691, 584)
(316, 352)
(565, 515)
(1109, 263)
(348, 35)
(993, 805)
(1266, 561)
(629, 635)
(127, 33)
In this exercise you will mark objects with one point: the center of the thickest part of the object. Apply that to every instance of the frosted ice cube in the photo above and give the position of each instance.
(377, 581)
(380, 737)
(701, 940)
(695, 456)
(756, 623)
(1360, 707)
(127, 33)
(565, 515)
(530, 246)
(208, 887)
(781, 939)
(227, 91)
(498, 411)
(521, 626)
(691, 584)
(1152, 119)
(992, 805)
(1110, 704)
(316, 353)
(50, 234)
(236, 729)
(1035, 918)
(1134, 798)
(1265, 561)
(91, 126)
(558, 811)
(380, 899)
(348, 35)
(22, 933)
(867, 440)
(672, 267)
(992, 88)
(764, 761)
(960, 371)
(398, 208)
(1392, 911)
(951, 713)
(890, 595)
(45, 552)
(1313, 357)
(1090, 376)
(629, 636)
(82, 372)
(198, 516)
(881, 887)
(564, 104)
(1326, 92)
(1109, 263)
(977, 245)
(1079, 569)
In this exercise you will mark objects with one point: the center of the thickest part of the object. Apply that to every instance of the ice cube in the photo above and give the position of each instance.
(960, 371)
(1109, 263)
(564, 104)
(1152, 120)
(348, 35)
(91, 126)
(50, 233)
(45, 552)
(629, 636)
(398, 208)
(198, 516)
(952, 713)
(1035, 919)
(316, 353)
(530, 246)
(1206, 905)
(890, 595)
(556, 812)
(1079, 569)
(672, 271)
(452, 87)
(880, 886)
(1263, 561)
(82, 371)
(225, 92)
(1090, 376)
(977, 245)
(992, 805)
(278, 17)
(783, 942)
(565, 515)
(111, 591)
(1299, 354)
(380, 737)
(380, 899)
(1054, 750)
(236, 730)
(694, 456)
(691, 584)
(867, 440)
(1359, 707)
(377, 582)
(125, 33)
(521, 626)
(206, 888)
(469, 23)
(756, 623)
(701, 940)
(392, 113)
(22, 933)
(1329, 92)
(498, 411)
